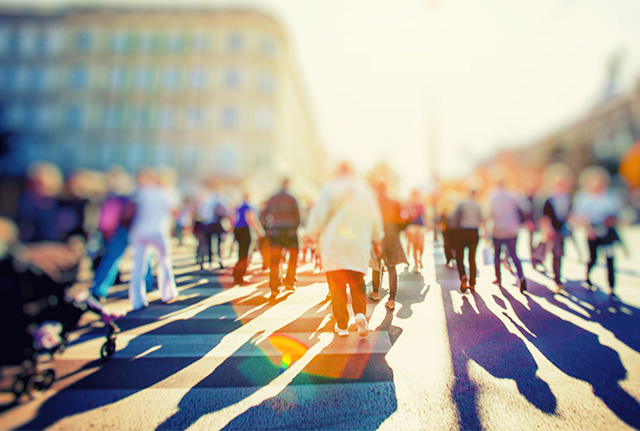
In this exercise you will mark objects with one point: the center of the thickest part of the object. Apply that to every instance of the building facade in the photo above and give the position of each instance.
(213, 93)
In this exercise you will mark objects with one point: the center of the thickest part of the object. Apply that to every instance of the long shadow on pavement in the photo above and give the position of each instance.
(306, 402)
(123, 377)
(483, 338)
(623, 320)
(579, 354)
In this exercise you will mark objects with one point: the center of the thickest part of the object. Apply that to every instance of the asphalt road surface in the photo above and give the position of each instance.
(224, 357)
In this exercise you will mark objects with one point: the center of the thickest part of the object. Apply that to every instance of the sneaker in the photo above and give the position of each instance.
(361, 325)
(375, 296)
(523, 285)
(341, 332)
(391, 304)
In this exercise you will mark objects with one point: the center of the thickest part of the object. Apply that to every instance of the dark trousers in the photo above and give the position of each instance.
(594, 244)
(280, 243)
(448, 247)
(338, 281)
(243, 238)
(557, 250)
(393, 281)
(510, 243)
(466, 238)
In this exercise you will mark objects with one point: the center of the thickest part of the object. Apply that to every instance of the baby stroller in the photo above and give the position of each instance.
(38, 313)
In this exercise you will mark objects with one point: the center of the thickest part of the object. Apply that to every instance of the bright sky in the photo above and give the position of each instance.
(386, 79)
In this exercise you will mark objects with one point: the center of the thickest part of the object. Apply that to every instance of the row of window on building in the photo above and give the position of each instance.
(123, 117)
(27, 39)
(144, 78)
(226, 157)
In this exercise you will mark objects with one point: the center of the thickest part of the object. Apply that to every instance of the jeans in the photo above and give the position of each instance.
(280, 242)
(466, 238)
(243, 237)
(393, 281)
(510, 243)
(338, 281)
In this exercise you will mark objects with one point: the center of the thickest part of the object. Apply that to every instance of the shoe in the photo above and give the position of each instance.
(497, 282)
(472, 287)
(274, 293)
(239, 281)
(290, 287)
(463, 284)
(559, 287)
(328, 297)
(361, 325)
(391, 304)
(375, 296)
(523, 285)
(341, 332)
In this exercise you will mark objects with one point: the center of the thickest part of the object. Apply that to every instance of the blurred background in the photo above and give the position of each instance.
(431, 93)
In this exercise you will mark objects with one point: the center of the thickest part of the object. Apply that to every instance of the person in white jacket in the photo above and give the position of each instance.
(348, 218)
(151, 227)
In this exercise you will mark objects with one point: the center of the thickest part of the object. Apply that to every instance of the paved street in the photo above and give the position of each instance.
(226, 357)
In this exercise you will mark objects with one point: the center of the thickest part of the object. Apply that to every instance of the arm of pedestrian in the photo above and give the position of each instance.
(252, 218)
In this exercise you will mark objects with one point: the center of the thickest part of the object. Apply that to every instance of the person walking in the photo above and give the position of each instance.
(246, 220)
(416, 229)
(597, 207)
(506, 217)
(464, 225)
(348, 218)
(392, 252)
(555, 216)
(151, 227)
(282, 218)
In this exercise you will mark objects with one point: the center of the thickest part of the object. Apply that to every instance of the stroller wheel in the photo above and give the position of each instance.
(108, 349)
(19, 386)
(48, 377)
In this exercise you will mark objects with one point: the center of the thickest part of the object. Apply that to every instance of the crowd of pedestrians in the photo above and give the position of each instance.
(352, 227)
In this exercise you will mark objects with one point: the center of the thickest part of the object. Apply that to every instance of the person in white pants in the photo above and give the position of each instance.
(151, 227)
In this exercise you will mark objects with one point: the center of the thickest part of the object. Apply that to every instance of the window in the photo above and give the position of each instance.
(27, 40)
(234, 42)
(9, 78)
(140, 117)
(74, 117)
(144, 78)
(15, 116)
(268, 47)
(174, 43)
(195, 117)
(229, 117)
(265, 83)
(113, 117)
(232, 78)
(170, 78)
(198, 79)
(37, 78)
(264, 119)
(120, 42)
(79, 77)
(83, 40)
(200, 42)
(165, 118)
(117, 78)
(4, 40)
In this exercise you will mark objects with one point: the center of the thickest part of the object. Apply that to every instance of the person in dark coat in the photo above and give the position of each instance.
(392, 251)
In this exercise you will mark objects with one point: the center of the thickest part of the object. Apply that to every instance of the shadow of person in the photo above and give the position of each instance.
(143, 363)
(623, 320)
(413, 291)
(252, 366)
(483, 338)
(579, 354)
(317, 396)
